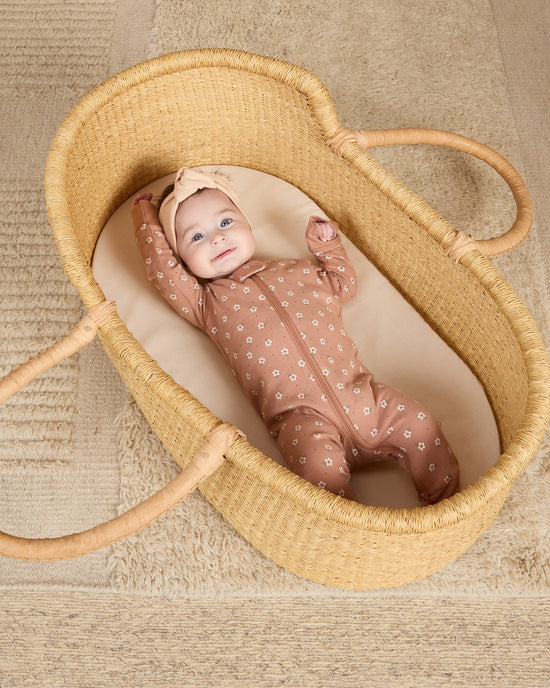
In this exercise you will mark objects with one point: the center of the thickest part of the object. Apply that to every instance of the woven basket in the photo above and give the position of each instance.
(229, 107)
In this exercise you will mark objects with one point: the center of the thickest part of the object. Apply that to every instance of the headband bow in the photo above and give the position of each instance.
(188, 181)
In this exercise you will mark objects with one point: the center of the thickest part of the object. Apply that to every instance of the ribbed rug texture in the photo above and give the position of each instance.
(188, 602)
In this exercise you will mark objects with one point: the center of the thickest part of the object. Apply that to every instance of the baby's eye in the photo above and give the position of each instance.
(225, 222)
(197, 237)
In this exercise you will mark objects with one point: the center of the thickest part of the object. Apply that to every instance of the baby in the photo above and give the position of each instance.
(279, 326)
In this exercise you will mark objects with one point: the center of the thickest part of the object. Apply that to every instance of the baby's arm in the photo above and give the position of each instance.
(336, 269)
(180, 289)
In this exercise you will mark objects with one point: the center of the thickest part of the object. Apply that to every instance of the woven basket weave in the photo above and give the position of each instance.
(229, 107)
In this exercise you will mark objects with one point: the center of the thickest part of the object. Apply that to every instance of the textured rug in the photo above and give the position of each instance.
(189, 602)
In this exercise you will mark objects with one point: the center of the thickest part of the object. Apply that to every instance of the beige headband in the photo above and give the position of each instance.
(188, 181)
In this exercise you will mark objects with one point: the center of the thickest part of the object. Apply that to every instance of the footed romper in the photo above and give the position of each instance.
(278, 324)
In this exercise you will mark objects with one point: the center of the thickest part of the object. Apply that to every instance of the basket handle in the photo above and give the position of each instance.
(463, 243)
(207, 460)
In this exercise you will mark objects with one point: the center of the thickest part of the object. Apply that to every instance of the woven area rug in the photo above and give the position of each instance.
(188, 602)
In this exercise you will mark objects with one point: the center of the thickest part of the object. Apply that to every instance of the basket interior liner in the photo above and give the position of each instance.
(393, 340)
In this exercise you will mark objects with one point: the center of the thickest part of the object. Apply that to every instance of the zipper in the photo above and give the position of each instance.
(313, 365)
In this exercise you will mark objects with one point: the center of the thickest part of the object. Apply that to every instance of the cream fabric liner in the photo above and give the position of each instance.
(393, 340)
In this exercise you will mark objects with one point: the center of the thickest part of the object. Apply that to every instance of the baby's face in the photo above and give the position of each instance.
(213, 236)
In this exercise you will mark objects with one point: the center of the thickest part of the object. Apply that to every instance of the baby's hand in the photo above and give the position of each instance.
(142, 197)
(325, 229)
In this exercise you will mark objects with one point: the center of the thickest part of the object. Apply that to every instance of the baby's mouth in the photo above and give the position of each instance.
(223, 254)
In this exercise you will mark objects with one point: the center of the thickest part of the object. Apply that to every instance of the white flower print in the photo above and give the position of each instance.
(366, 411)
(301, 395)
(261, 326)
(278, 396)
(325, 372)
(160, 275)
(293, 377)
(302, 459)
(249, 355)
(261, 360)
(340, 386)
(384, 403)
(328, 462)
(214, 330)
(240, 328)
(171, 263)
(317, 435)
(448, 479)
(432, 467)
(315, 323)
(407, 434)
(184, 309)
(374, 432)
(284, 304)
(437, 441)
(173, 297)
(422, 415)
(312, 350)
(237, 307)
(227, 335)
(249, 340)
(356, 390)
(253, 309)
(301, 363)
(224, 318)
(299, 315)
(400, 407)
(322, 485)
(143, 226)
(268, 342)
(148, 261)
(276, 373)
(341, 268)
(284, 352)
(149, 240)
(389, 430)
(295, 442)
(421, 446)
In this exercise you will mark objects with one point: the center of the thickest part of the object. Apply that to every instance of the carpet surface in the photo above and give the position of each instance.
(188, 602)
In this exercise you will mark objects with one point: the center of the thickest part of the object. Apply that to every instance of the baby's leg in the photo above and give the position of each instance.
(313, 450)
(418, 444)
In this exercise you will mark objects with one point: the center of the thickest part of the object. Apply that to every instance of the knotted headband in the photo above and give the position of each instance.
(189, 181)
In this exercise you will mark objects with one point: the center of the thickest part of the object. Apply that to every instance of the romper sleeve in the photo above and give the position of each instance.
(177, 286)
(336, 269)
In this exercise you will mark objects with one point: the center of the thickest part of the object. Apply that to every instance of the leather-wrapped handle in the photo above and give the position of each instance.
(392, 137)
(207, 460)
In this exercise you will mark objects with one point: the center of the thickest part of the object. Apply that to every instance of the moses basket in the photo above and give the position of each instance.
(271, 116)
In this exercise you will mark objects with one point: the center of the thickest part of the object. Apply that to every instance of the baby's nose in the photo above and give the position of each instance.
(217, 237)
